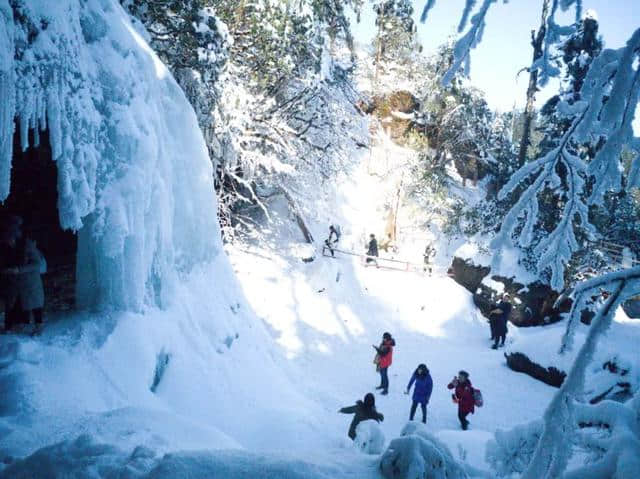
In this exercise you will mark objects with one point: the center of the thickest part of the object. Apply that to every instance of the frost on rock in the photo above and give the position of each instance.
(369, 437)
(418, 454)
(134, 178)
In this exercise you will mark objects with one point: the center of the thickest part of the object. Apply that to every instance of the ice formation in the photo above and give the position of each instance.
(134, 177)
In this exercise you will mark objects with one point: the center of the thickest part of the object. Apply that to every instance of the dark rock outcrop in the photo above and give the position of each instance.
(521, 363)
(383, 106)
(533, 304)
(467, 274)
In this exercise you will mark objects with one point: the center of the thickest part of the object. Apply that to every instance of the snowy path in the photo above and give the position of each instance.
(325, 315)
(327, 337)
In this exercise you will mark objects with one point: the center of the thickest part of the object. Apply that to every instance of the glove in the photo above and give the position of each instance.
(407, 391)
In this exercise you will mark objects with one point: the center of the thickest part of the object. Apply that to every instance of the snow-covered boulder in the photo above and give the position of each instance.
(133, 174)
(369, 437)
(417, 454)
(511, 451)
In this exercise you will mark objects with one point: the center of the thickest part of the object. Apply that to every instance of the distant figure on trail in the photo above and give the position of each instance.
(372, 249)
(463, 397)
(332, 241)
(21, 264)
(498, 318)
(422, 391)
(383, 359)
(429, 251)
(363, 410)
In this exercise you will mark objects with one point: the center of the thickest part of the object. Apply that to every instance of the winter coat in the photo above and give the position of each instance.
(373, 248)
(362, 413)
(424, 386)
(25, 285)
(385, 351)
(463, 395)
(500, 325)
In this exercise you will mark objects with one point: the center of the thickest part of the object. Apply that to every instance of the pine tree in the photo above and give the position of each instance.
(191, 41)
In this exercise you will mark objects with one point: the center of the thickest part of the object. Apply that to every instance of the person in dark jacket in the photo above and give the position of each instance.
(332, 241)
(363, 410)
(21, 263)
(422, 391)
(384, 358)
(372, 249)
(463, 396)
(500, 316)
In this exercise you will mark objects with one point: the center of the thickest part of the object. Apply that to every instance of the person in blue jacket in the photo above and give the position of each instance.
(421, 392)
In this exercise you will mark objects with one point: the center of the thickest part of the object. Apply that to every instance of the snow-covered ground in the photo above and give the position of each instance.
(252, 386)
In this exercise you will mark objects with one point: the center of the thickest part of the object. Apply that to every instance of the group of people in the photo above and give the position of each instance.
(464, 395)
(498, 318)
(21, 264)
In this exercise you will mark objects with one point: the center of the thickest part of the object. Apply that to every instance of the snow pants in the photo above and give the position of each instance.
(463, 419)
(414, 406)
(384, 380)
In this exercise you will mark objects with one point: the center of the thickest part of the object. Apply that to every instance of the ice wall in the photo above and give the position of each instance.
(134, 177)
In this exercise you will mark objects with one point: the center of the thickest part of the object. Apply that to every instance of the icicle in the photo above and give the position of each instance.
(425, 11)
(469, 4)
(7, 94)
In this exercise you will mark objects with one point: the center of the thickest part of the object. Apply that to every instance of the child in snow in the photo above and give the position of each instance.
(463, 396)
(422, 391)
(384, 357)
(363, 410)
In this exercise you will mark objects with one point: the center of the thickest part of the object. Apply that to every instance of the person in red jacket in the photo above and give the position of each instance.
(384, 358)
(463, 396)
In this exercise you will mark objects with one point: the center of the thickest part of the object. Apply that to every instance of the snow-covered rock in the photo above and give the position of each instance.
(369, 437)
(418, 454)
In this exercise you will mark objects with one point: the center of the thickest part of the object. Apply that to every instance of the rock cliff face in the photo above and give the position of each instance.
(395, 111)
(534, 304)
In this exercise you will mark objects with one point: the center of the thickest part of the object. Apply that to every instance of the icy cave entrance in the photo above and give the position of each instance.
(34, 197)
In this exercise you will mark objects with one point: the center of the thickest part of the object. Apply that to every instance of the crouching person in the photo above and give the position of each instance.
(363, 410)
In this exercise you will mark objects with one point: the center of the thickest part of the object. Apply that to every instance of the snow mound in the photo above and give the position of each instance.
(511, 451)
(418, 454)
(86, 457)
(369, 437)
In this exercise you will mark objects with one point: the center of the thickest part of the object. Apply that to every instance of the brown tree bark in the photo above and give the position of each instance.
(537, 40)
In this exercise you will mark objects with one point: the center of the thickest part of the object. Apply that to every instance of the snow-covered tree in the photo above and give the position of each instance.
(601, 119)
(395, 41)
(194, 44)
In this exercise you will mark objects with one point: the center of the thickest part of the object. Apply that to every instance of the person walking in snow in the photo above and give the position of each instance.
(463, 397)
(21, 264)
(384, 357)
(500, 315)
(429, 251)
(363, 410)
(421, 392)
(332, 241)
(372, 249)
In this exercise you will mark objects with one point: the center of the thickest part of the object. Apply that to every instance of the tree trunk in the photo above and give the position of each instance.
(537, 40)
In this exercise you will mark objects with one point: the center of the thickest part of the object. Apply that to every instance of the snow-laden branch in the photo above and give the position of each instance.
(603, 119)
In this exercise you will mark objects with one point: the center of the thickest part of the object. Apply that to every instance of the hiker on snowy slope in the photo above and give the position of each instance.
(363, 410)
(422, 391)
(372, 249)
(384, 357)
(332, 241)
(463, 396)
(500, 317)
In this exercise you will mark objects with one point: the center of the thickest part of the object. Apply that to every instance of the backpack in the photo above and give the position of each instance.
(477, 398)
